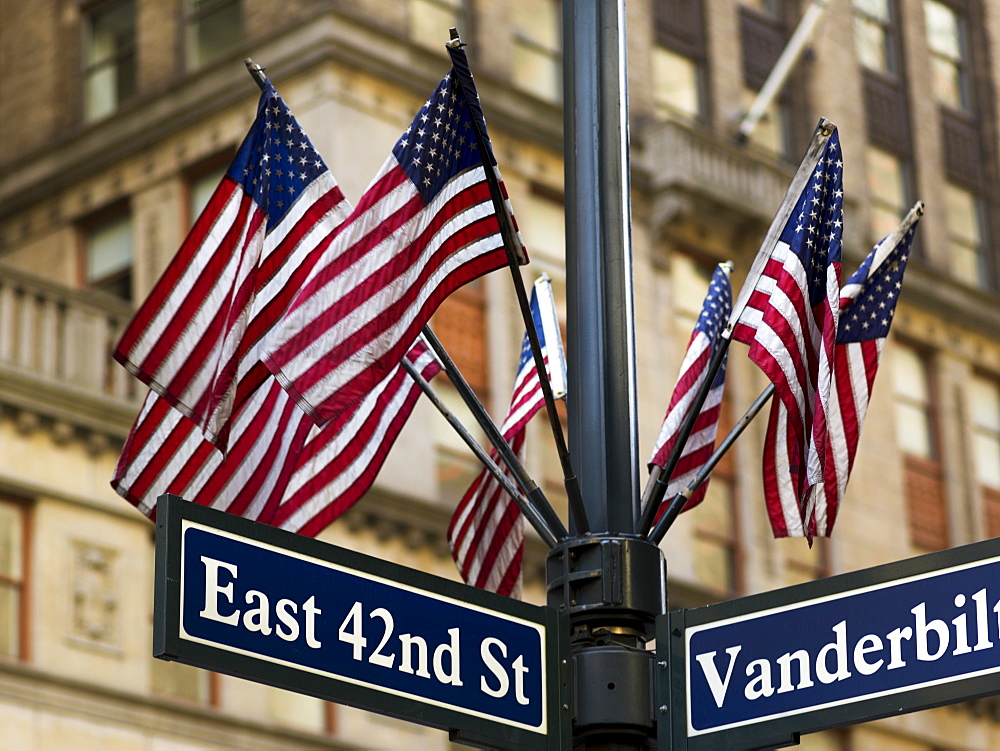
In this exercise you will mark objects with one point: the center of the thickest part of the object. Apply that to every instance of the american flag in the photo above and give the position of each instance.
(486, 535)
(705, 338)
(790, 323)
(196, 339)
(281, 469)
(424, 227)
(867, 306)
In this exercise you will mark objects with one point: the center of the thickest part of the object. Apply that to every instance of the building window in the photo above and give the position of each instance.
(109, 58)
(915, 436)
(431, 19)
(946, 38)
(679, 60)
(878, 44)
(13, 573)
(966, 248)
(214, 27)
(537, 63)
(108, 256)
(676, 85)
(763, 35)
(460, 324)
(887, 190)
(873, 37)
(984, 394)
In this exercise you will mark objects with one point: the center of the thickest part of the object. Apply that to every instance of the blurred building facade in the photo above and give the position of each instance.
(117, 120)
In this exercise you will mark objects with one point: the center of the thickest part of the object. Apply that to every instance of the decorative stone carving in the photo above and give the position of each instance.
(95, 612)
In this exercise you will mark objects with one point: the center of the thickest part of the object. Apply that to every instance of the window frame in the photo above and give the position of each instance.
(922, 472)
(992, 381)
(890, 33)
(86, 227)
(23, 651)
(767, 33)
(684, 33)
(964, 63)
(192, 17)
(129, 51)
(527, 42)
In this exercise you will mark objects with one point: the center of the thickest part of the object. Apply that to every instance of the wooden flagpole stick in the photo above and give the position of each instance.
(515, 257)
(531, 513)
(521, 476)
(821, 135)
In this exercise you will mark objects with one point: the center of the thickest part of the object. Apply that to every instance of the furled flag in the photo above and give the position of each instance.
(281, 469)
(867, 305)
(790, 323)
(485, 535)
(705, 338)
(195, 339)
(424, 227)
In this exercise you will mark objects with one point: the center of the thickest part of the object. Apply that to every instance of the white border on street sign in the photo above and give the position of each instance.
(541, 728)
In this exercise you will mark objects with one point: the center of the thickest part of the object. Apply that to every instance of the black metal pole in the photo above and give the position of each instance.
(601, 342)
(610, 582)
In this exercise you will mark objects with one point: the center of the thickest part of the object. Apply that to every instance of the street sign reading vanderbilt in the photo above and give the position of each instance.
(250, 600)
(760, 670)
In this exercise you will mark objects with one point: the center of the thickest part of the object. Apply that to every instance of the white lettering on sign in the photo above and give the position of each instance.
(258, 617)
(371, 638)
(430, 645)
(926, 639)
(499, 672)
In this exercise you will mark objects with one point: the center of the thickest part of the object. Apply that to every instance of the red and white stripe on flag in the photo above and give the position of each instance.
(790, 323)
(195, 340)
(704, 339)
(424, 227)
(867, 306)
(281, 469)
(486, 534)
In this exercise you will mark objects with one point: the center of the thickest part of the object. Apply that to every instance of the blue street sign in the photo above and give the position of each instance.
(907, 636)
(280, 608)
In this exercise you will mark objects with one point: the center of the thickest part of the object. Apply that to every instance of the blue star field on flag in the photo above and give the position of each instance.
(276, 161)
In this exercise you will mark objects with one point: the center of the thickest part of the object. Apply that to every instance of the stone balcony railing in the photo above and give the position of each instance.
(685, 170)
(55, 356)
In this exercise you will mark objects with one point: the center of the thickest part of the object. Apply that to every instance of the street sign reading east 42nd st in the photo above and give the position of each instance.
(253, 601)
(758, 671)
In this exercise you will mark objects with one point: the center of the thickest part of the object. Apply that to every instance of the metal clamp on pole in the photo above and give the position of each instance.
(612, 587)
